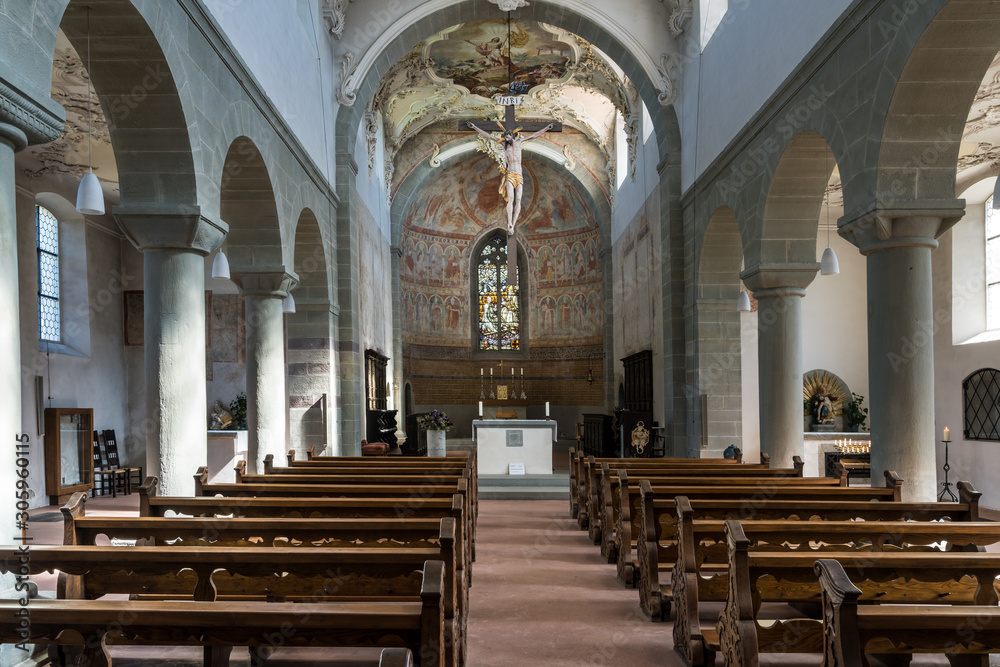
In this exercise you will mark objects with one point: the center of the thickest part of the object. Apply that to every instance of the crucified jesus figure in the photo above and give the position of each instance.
(512, 184)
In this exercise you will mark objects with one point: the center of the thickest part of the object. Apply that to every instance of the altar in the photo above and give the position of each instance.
(502, 442)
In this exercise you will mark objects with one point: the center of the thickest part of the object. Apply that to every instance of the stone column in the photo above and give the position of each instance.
(11, 141)
(350, 351)
(901, 325)
(779, 290)
(174, 241)
(265, 337)
(398, 403)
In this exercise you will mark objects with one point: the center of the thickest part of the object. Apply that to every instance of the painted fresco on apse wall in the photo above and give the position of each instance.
(563, 238)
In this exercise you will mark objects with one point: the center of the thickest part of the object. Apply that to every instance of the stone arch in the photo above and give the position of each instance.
(655, 81)
(717, 413)
(310, 358)
(794, 200)
(247, 203)
(147, 123)
(926, 104)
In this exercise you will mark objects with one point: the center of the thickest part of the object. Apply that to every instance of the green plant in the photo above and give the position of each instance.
(854, 413)
(238, 409)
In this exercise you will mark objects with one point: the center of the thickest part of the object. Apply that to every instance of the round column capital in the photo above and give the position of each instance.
(912, 224)
(786, 279)
(272, 282)
(172, 227)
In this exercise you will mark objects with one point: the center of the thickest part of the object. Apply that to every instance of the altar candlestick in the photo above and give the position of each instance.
(947, 434)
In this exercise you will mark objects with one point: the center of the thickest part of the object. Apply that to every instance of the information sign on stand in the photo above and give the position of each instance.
(516, 469)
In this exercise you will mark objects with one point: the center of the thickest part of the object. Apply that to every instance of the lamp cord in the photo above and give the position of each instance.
(90, 120)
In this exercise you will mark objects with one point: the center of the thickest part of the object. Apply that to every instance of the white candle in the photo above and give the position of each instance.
(947, 434)
(512, 372)
(546, 408)
(522, 370)
(491, 372)
(480, 371)
(480, 408)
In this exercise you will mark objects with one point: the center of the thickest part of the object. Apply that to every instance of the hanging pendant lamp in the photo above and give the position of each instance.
(220, 266)
(996, 194)
(743, 302)
(288, 304)
(829, 265)
(90, 197)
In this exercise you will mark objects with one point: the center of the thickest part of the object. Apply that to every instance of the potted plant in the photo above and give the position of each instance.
(855, 414)
(436, 424)
(238, 409)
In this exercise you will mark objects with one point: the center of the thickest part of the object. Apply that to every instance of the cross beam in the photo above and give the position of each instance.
(510, 124)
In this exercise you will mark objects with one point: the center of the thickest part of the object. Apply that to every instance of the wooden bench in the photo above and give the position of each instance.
(665, 532)
(965, 633)
(435, 471)
(702, 571)
(583, 470)
(335, 489)
(595, 494)
(387, 535)
(151, 504)
(629, 528)
(95, 624)
(918, 577)
(605, 508)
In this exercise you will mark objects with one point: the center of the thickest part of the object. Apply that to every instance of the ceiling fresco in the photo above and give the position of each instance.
(455, 74)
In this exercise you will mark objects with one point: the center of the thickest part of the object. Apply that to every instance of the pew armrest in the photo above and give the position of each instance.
(146, 491)
(200, 480)
(840, 614)
(894, 482)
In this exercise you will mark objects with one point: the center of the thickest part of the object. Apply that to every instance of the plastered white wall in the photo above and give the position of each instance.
(282, 43)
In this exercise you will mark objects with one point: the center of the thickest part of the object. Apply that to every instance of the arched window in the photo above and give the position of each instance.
(499, 313)
(47, 244)
(992, 266)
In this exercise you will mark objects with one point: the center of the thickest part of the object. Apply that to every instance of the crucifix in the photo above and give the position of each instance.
(512, 183)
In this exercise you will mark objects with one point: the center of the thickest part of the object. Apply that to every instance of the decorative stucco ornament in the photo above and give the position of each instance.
(667, 85)
(681, 12)
(510, 5)
(334, 11)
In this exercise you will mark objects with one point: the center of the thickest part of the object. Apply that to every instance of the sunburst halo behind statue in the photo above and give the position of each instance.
(819, 386)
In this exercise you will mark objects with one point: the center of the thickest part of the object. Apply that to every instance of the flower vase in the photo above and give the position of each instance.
(435, 443)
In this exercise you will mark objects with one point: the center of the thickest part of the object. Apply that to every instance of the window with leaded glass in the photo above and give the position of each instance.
(47, 242)
(992, 266)
(499, 303)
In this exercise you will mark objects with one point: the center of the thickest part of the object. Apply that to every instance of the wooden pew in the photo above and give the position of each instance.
(702, 572)
(311, 455)
(587, 467)
(435, 472)
(389, 535)
(604, 503)
(628, 527)
(341, 490)
(151, 504)
(915, 577)
(965, 633)
(666, 529)
(95, 624)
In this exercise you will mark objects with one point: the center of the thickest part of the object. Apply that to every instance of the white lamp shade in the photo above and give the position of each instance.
(829, 266)
(220, 266)
(996, 194)
(288, 304)
(90, 197)
(743, 303)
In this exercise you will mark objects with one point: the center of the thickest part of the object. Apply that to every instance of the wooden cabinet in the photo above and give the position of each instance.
(69, 452)
(598, 436)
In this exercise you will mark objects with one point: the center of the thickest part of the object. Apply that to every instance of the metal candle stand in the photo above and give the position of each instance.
(946, 491)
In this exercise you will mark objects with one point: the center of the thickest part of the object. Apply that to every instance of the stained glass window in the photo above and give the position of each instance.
(499, 303)
(47, 241)
(992, 266)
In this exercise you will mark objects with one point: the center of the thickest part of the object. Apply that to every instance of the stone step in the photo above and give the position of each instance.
(523, 493)
(559, 480)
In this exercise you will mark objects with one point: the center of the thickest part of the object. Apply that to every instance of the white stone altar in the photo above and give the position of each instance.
(500, 442)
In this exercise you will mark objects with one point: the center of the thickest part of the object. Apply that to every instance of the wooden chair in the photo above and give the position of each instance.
(105, 476)
(111, 447)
